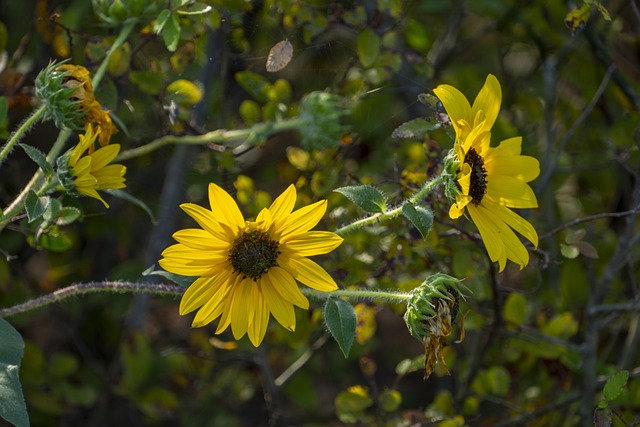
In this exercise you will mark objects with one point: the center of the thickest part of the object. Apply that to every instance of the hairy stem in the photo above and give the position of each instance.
(21, 132)
(384, 216)
(91, 287)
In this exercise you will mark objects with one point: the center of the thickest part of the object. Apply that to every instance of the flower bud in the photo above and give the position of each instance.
(58, 92)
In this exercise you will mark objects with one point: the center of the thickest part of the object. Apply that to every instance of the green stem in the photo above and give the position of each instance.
(92, 287)
(18, 204)
(385, 216)
(122, 37)
(360, 295)
(21, 131)
(214, 137)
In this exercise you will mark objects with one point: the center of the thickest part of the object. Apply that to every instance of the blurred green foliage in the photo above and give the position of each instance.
(539, 343)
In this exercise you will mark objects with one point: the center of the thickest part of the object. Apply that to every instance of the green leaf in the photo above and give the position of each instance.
(132, 199)
(53, 209)
(368, 47)
(184, 281)
(12, 404)
(569, 251)
(68, 215)
(389, 400)
(255, 84)
(563, 325)
(407, 366)
(55, 241)
(150, 82)
(38, 157)
(350, 404)
(196, 8)
(366, 197)
(340, 318)
(171, 33)
(615, 385)
(421, 218)
(515, 309)
(35, 206)
(161, 20)
(415, 128)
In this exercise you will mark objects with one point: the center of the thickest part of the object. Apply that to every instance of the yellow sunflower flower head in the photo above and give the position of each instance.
(247, 270)
(490, 181)
(82, 174)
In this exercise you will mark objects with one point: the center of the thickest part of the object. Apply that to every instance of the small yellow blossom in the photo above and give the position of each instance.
(93, 171)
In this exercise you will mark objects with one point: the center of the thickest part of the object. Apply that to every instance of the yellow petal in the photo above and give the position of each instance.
(457, 107)
(310, 273)
(283, 205)
(241, 308)
(310, 243)
(488, 101)
(103, 156)
(282, 281)
(214, 306)
(258, 324)
(303, 219)
(281, 309)
(206, 220)
(490, 234)
(199, 293)
(519, 224)
(511, 192)
(200, 239)
(224, 208)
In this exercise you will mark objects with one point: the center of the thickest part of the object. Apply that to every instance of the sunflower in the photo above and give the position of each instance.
(93, 171)
(247, 270)
(490, 180)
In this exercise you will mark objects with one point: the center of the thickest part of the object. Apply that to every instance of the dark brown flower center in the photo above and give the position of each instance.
(253, 254)
(478, 184)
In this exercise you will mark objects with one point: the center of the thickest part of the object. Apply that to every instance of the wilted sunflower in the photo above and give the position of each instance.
(78, 76)
(247, 270)
(93, 171)
(490, 180)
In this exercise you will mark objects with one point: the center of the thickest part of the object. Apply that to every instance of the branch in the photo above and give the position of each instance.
(91, 287)
(577, 221)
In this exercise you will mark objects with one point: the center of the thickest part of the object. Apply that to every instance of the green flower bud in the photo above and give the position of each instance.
(58, 94)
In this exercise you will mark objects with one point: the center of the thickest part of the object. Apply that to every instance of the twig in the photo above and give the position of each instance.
(518, 421)
(301, 361)
(595, 217)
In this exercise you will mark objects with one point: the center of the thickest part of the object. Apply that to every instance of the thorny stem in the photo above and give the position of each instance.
(21, 131)
(384, 216)
(18, 204)
(91, 287)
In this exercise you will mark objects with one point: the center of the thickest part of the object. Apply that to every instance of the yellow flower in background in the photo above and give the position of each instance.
(247, 270)
(78, 77)
(93, 171)
(490, 180)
